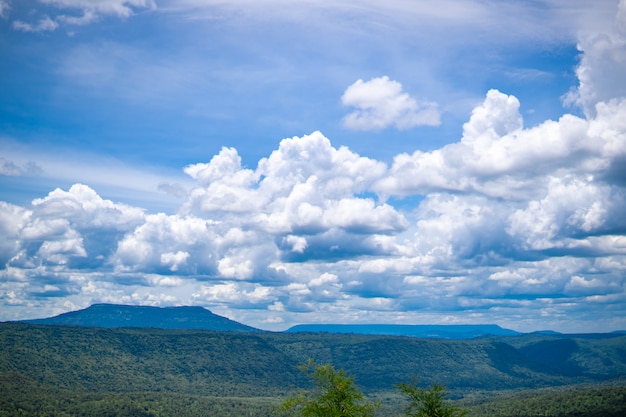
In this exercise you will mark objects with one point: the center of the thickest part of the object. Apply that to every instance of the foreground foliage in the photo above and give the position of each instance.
(429, 402)
(334, 395)
(20, 396)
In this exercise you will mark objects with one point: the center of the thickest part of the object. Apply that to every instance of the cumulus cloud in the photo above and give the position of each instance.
(496, 157)
(305, 187)
(75, 227)
(602, 66)
(380, 103)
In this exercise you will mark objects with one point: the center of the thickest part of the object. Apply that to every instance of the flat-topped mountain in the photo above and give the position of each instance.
(450, 331)
(115, 315)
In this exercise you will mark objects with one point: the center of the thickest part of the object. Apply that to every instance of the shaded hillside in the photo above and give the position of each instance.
(114, 315)
(126, 360)
(378, 362)
(264, 364)
(577, 402)
(451, 331)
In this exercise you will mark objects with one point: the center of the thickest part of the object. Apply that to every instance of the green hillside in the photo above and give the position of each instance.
(165, 369)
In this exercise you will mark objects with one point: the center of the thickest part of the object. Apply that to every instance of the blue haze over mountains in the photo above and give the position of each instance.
(190, 317)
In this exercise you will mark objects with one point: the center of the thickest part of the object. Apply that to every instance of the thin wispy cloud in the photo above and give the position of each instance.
(82, 12)
(310, 172)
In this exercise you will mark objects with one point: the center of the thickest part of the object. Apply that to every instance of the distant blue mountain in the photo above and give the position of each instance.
(441, 331)
(115, 315)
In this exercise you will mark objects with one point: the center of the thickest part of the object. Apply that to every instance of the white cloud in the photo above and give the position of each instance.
(174, 260)
(306, 186)
(380, 103)
(233, 293)
(602, 66)
(496, 157)
(573, 208)
(163, 242)
(12, 220)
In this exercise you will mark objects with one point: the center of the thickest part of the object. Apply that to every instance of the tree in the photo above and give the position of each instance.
(334, 395)
(429, 402)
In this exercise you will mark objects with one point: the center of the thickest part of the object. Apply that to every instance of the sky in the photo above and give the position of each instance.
(283, 162)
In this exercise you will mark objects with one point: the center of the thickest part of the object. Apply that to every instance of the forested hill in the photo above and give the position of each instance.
(453, 331)
(263, 363)
(115, 315)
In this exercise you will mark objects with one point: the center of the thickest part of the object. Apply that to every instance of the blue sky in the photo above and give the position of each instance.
(284, 162)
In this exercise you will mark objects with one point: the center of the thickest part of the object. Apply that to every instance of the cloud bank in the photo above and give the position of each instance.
(514, 222)
(517, 225)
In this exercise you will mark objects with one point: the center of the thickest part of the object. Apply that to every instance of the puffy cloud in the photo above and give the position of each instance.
(602, 66)
(304, 187)
(12, 220)
(168, 244)
(496, 157)
(82, 204)
(380, 103)
(572, 208)
(242, 295)
(67, 226)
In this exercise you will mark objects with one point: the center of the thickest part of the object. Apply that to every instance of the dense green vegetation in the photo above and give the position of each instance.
(589, 402)
(58, 370)
(20, 396)
(334, 394)
(429, 402)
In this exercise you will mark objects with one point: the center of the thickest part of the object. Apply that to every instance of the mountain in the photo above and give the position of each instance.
(453, 331)
(115, 315)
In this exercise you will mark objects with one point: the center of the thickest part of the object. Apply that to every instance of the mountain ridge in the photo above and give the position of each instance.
(107, 315)
(120, 315)
(441, 331)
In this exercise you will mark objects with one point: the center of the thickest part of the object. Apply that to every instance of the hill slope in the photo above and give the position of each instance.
(114, 315)
(262, 363)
